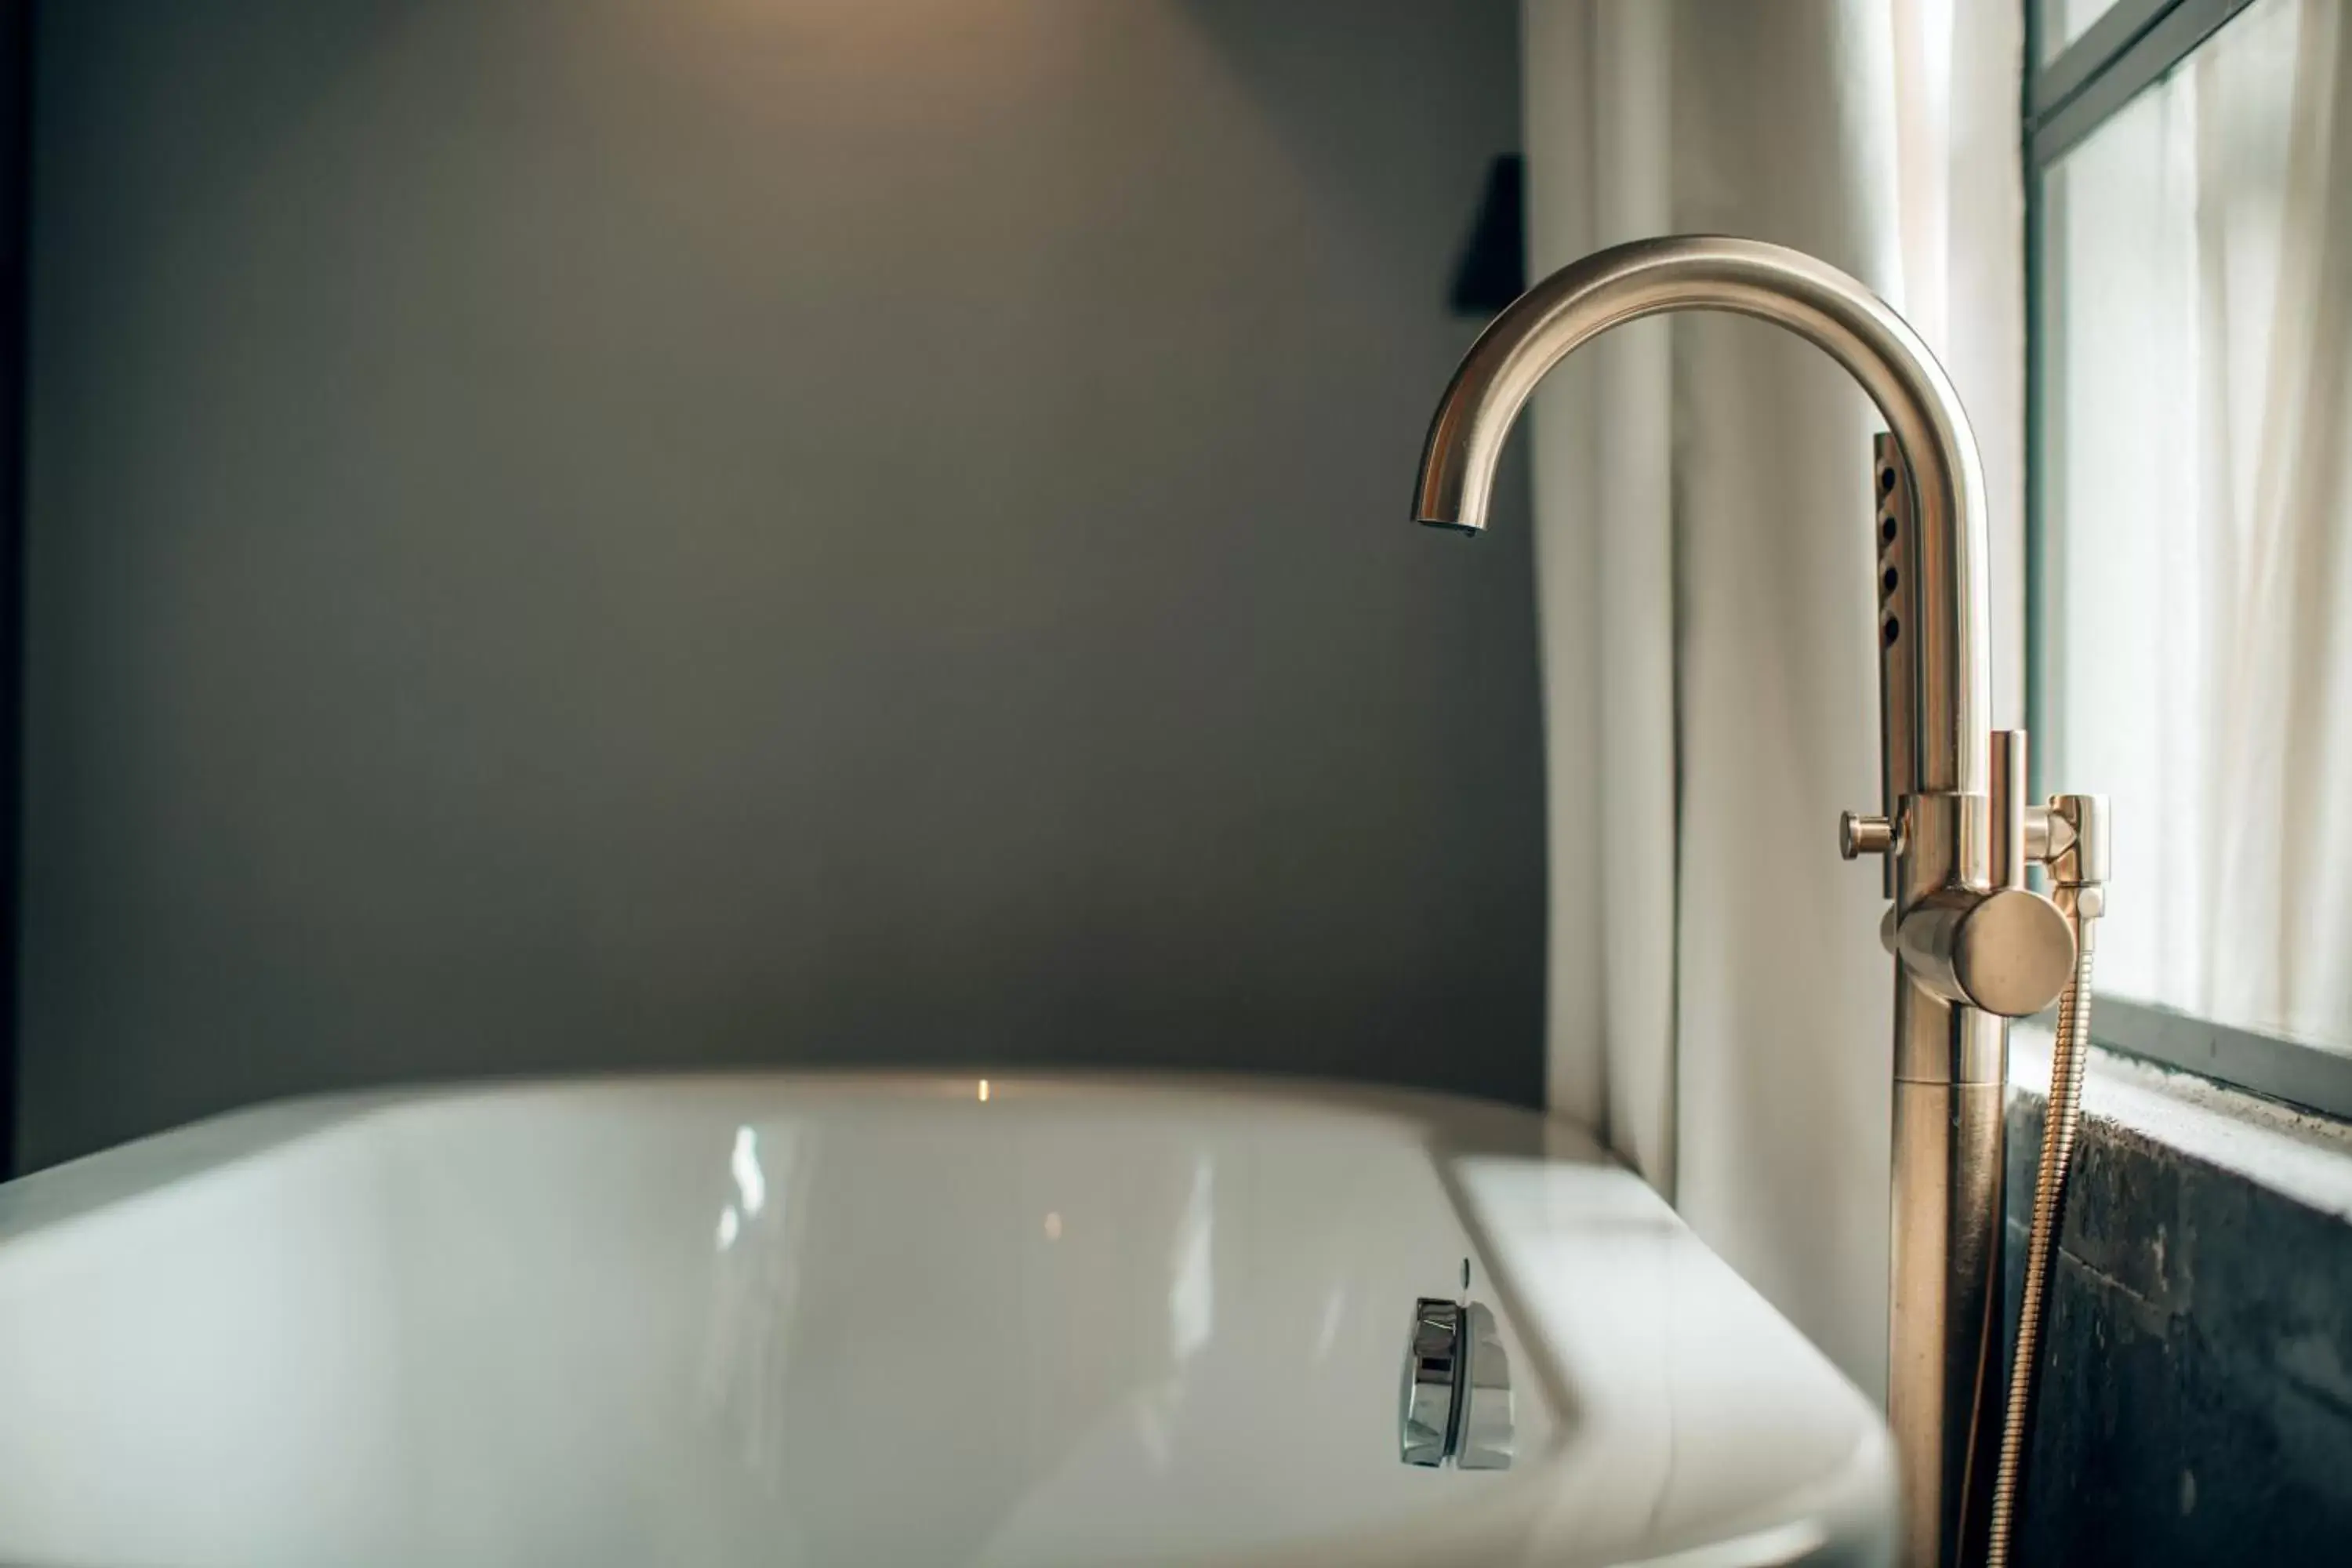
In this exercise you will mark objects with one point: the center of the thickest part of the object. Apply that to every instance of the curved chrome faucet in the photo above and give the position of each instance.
(1973, 947)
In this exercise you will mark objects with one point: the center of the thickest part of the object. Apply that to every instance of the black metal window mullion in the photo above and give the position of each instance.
(2132, 45)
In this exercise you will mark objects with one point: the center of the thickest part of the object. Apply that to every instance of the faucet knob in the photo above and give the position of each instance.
(2005, 951)
(1860, 833)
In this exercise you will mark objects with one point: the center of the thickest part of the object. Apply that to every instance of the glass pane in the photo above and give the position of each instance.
(2061, 22)
(2195, 659)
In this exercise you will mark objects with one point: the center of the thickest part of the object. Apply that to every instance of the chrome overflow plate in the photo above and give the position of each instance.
(1456, 1402)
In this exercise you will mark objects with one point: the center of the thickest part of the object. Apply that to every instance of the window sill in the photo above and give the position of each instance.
(2196, 1402)
(2295, 1156)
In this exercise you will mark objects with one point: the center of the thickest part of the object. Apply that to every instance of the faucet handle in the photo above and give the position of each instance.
(2004, 950)
(1861, 834)
(2008, 811)
(1999, 947)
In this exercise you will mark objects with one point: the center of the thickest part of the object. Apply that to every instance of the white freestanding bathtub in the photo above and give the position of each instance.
(886, 1321)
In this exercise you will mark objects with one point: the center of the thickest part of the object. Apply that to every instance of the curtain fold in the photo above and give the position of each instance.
(1719, 1003)
(2276, 439)
(1601, 173)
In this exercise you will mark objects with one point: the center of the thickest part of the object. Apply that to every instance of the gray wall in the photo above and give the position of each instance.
(608, 534)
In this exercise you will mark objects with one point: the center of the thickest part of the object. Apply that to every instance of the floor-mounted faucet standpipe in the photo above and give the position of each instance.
(1973, 946)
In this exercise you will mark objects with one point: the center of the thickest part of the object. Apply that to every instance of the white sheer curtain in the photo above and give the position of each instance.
(1719, 1002)
(2201, 521)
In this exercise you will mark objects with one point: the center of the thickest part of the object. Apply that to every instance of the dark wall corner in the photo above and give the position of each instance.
(1493, 271)
(15, 136)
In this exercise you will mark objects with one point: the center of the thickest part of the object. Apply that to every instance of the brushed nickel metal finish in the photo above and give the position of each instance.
(1818, 302)
(1860, 835)
(2006, 951)
(1945, 1301)
(1972, 942)
(2007, 867)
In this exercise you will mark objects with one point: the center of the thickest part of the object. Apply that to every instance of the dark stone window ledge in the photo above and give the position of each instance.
(2197, 1406)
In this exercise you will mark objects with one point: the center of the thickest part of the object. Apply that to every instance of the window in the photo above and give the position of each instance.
(2189, 224)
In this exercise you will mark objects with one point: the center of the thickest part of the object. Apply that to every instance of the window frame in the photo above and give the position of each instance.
(2128, 48)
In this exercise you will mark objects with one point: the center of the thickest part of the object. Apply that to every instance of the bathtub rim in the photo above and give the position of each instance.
(1838, 1515)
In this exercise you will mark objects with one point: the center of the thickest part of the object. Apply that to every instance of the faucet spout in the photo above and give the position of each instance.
(1817, 302)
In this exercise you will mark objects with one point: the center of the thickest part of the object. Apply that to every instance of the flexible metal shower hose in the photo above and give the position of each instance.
(2060, 1117)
